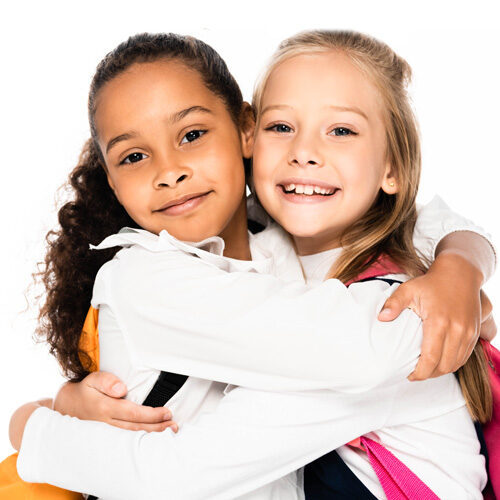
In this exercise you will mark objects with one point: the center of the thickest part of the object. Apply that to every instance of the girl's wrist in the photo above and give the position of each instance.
(475, 250)
(457, 263)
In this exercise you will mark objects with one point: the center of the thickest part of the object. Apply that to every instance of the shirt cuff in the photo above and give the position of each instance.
(27, 461)
(436, 221)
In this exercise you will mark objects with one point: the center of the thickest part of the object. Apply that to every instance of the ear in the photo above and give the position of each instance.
(247, 129)
(389, 183)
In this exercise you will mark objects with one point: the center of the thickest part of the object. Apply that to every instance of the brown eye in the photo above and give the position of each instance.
(192, 136)
(133, 158)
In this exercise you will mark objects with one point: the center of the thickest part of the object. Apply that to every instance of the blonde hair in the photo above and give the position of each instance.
(387, 227)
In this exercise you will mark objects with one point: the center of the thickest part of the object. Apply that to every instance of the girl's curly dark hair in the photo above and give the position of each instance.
(70, 267)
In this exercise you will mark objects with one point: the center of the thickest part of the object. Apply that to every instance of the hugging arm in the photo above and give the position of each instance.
(251, 329)
(241, 322)
(439, 232)
(252, 438)
(448, 297)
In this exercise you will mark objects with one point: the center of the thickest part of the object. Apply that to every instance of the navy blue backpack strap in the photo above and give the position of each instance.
(480, 436)
(165, 387)
(329, 477)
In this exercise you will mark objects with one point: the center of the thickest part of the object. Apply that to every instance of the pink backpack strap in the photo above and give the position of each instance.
(397, 480)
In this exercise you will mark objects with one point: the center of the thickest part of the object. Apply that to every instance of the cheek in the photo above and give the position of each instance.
(131, 193)
(363, 168)
(263, 165)
(227, 174)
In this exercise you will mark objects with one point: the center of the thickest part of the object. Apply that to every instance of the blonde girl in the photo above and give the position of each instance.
(337, 164)
(157, 292)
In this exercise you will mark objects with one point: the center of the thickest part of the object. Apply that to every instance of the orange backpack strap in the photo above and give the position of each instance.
(89, 341)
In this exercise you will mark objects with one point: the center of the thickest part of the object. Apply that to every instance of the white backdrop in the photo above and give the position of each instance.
(50, 50)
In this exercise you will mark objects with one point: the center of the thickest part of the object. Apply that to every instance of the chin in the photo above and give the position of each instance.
(303, 229)
(192, 232)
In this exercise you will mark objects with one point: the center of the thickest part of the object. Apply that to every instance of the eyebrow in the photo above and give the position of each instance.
(275, 106)
(176, 117)
(119, 138)
(352, 109)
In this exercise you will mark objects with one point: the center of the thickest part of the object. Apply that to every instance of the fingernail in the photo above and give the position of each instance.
(118, 388)
(167, 415)
(385, 312)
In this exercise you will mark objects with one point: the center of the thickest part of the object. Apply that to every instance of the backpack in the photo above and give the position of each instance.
(323, 476)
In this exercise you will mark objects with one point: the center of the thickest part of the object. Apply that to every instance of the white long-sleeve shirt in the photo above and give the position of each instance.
(261, 450)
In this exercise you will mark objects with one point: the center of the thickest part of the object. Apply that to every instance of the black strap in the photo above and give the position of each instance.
(389, 281)
(165, 387)
(329, 477)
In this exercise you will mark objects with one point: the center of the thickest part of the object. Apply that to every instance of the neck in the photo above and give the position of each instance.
(309, 245)
(235, 235)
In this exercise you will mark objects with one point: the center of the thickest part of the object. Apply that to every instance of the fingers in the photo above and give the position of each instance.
(458, 346)
(445, 348)
(395, 304)
(488, 329)
(486, 306)
(135, 426)
(134, 413)
(434, 333)
(107, 383)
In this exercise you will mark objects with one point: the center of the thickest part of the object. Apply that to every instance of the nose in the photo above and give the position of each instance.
(170, 174)
(304, 152)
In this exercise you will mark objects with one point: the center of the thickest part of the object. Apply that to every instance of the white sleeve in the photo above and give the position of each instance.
(435, 221)
(253, 438)
(182, 315)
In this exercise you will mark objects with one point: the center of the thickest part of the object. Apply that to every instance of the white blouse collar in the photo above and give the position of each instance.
(210, 249)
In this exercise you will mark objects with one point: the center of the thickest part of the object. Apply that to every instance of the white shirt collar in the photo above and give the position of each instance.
(210, 249)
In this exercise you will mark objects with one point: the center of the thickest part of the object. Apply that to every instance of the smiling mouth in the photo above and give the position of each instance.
(308, 190)
(183, 204)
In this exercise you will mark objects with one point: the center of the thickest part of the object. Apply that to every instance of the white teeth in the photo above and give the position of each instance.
(307, 189)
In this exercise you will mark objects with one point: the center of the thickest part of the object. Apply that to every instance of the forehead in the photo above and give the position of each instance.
(321, 79)
(147, 91)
